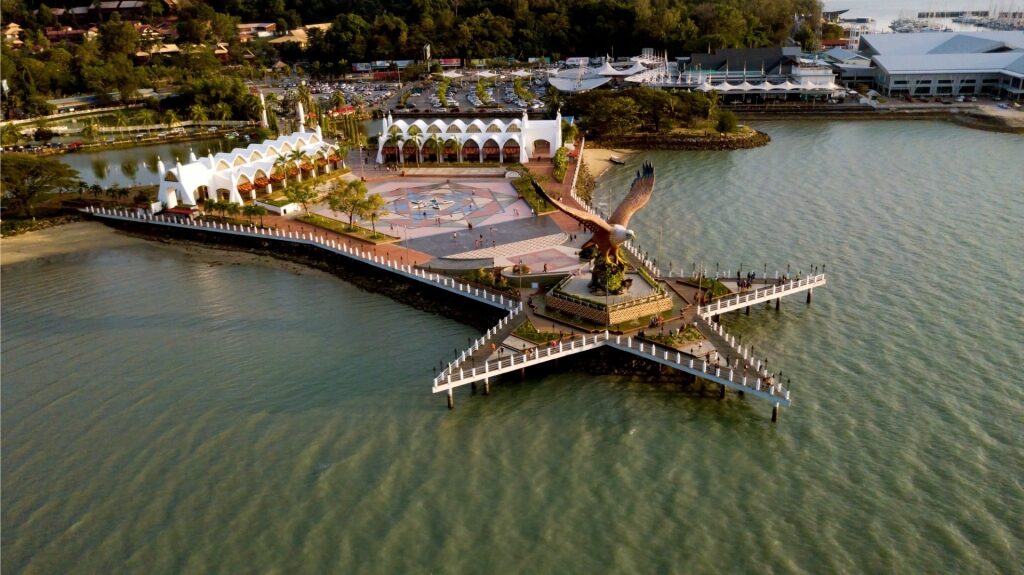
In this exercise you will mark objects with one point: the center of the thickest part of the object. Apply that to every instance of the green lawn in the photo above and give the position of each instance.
(342, 228)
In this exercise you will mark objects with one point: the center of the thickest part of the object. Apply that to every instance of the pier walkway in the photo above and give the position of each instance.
(775, 292)
(749, 381)
(382, 262)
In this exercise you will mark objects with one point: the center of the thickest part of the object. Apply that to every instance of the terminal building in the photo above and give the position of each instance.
(503, 140)
(745, 74)
(941, 64)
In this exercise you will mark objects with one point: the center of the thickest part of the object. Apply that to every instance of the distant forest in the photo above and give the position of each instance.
(388, 29)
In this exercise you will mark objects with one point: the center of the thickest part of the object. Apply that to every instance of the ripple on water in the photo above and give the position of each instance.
(164, 413)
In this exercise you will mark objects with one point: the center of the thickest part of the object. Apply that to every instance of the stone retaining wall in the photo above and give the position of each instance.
(600, 316)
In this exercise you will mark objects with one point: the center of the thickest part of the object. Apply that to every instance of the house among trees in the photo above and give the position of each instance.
(12, 35)
(256, 30)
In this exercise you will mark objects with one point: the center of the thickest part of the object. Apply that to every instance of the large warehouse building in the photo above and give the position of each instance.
(946, 63)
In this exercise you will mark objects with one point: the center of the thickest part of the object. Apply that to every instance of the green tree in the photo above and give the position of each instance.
(232, 209)
(253, 210)
(348, 196)
(118, 37)
(10, 135)
(373, 207)
(26, 177)
(197, 113)
(727, 121)
(301, 193)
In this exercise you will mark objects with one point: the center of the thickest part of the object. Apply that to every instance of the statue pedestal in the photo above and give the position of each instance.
(572, 296)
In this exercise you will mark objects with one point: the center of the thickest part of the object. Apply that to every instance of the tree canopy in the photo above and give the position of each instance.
(26, 177)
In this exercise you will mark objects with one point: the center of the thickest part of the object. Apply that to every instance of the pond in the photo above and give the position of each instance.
(137, 165)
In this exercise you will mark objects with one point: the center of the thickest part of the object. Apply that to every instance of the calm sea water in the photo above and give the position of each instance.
(162, 414)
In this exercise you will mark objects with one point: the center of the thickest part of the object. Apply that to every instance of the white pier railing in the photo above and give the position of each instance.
(740, 380)
(381, 262)
(748, 299)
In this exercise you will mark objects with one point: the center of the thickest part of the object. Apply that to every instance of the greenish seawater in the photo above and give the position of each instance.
(164, 415)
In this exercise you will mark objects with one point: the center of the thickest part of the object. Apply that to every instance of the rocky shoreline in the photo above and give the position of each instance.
(755, 139)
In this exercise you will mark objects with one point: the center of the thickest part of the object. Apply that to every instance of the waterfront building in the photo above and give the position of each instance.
(743, 74)
(946, 63)
(245, 174)
(501, 140)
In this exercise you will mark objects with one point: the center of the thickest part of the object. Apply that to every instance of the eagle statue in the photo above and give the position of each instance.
(609, 266)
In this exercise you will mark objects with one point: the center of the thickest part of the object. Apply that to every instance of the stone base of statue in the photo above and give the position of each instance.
(585, 298)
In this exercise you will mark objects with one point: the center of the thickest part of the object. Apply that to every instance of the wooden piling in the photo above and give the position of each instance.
(451, 400)
(775, 412)
(472, 388)
(809, 295)
(721, 392)
(778, 303)
(487, 386)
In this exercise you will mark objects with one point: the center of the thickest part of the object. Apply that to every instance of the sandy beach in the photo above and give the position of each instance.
(597, 158)
(81, 237)
(59, 240)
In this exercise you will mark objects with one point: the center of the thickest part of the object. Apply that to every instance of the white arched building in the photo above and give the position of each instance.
(505, 140)
(244, 173)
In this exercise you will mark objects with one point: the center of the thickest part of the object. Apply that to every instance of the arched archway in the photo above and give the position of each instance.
(470, 151)
(542, 148)
(223, 194)
(510, 151)
(492, 151)
(409, 152)
(245, 187)
(451, 150)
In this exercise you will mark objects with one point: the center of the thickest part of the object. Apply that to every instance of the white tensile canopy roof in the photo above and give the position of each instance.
(451, 74)
(608, 70)
(572, 85)
(635, 69)
(520, 73)
(485, 74)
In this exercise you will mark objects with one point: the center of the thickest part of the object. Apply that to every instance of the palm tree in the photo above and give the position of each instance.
(170, 118)
(222, 111)
(416, 140)
(337, 100)
(232, 208)
(341, 148)
(298, 157)
(394, 141)
(255, 210)
(249, 211)
(452, 145)
(436, 142)
(197, 112)
(147, 117)
(121, 119)
(281, 167)
(91, 130)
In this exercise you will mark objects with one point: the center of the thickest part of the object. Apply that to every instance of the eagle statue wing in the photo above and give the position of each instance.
(639, 194)
(595, 224)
